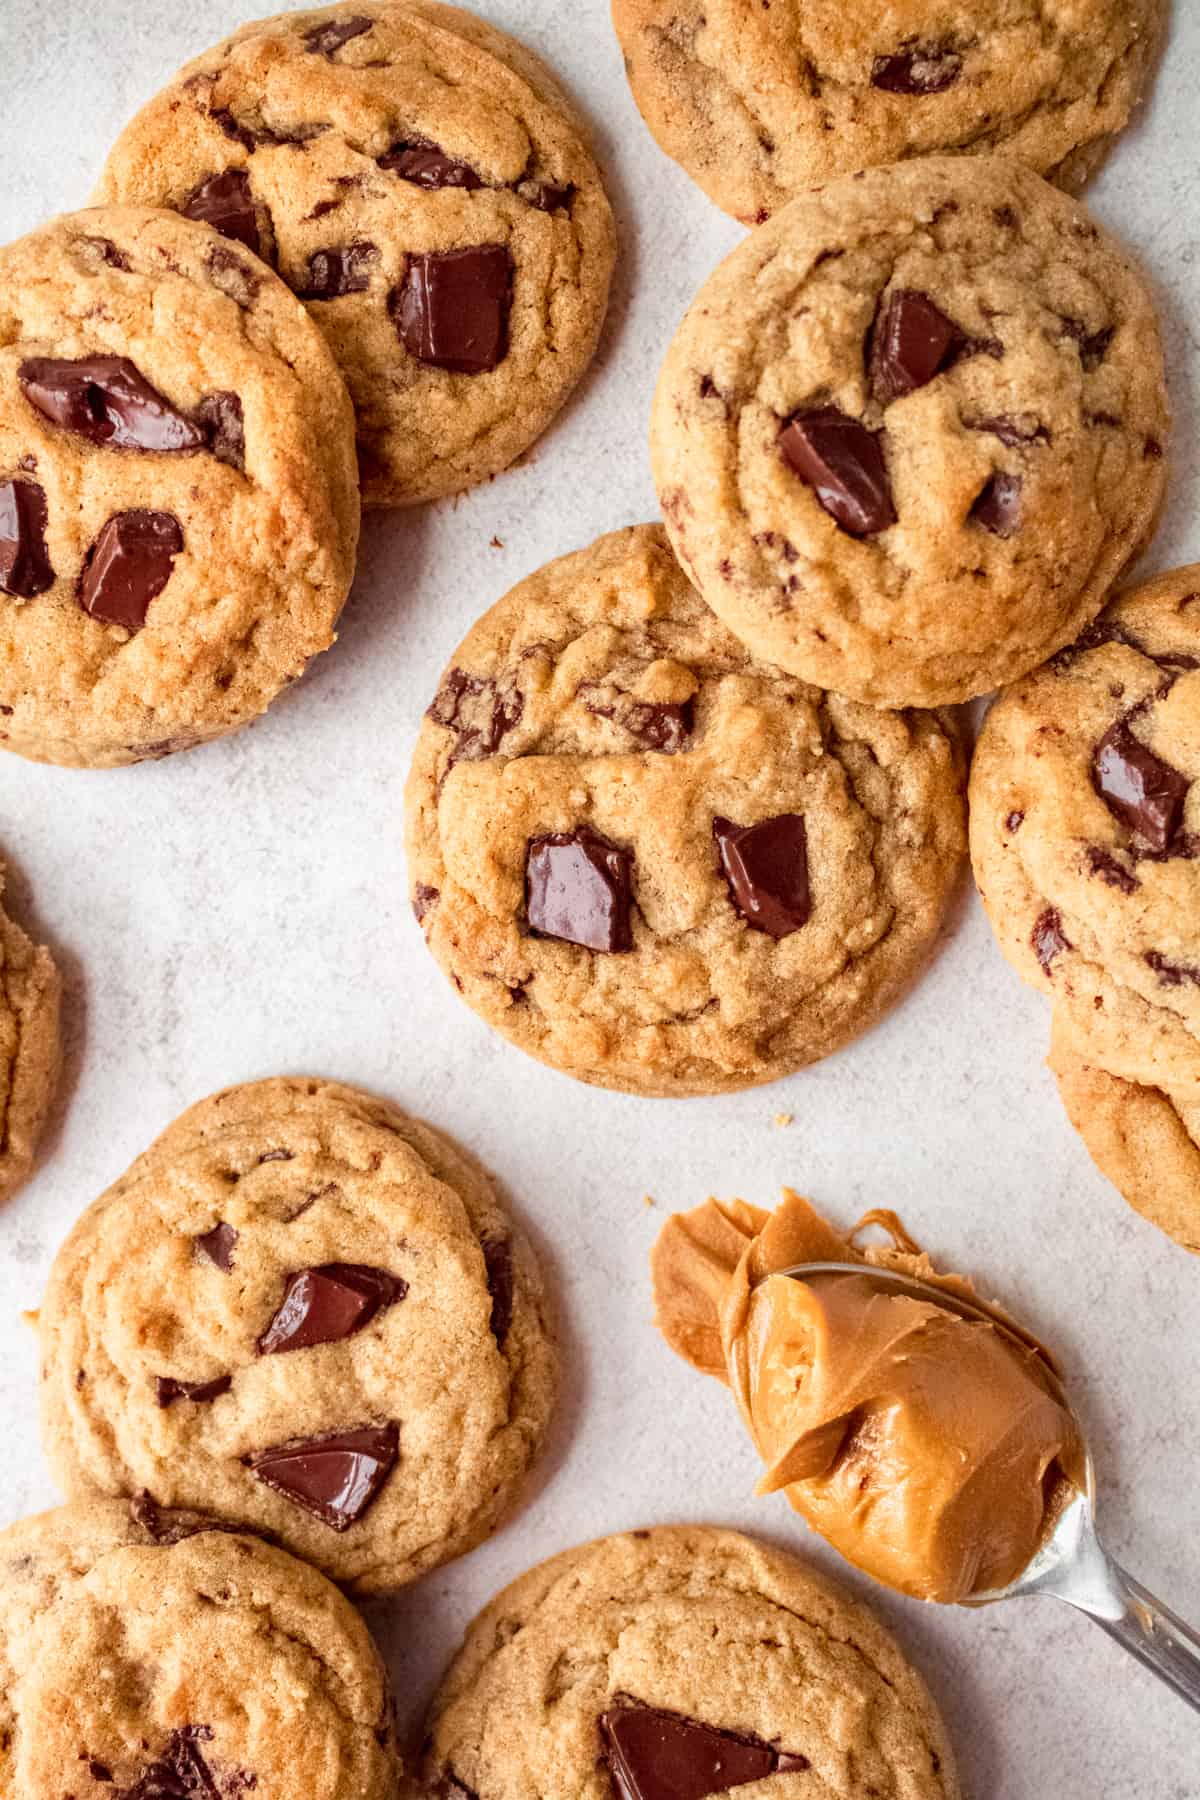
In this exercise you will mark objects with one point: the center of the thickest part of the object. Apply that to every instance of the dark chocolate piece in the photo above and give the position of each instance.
(326, 1304)
(426, 165)
(920, 69)
(328, 39)
(766, 868)
(167, 1390)
(657, 1755)
(224, 426)
(911, 341)
(1171, 974)
(218, 1246)
(1138, 788)
(844, 465)
(478, 711)
(225, 202)
(335, 273)
(1049, 940)
(498, 1260)
(425, 898)
(108, 401)
(579, 888)
(25, 569)
(452, 308)
(1104, 864)
(998, 507)
(128, 567)
(1011, 429)
(337, 1477)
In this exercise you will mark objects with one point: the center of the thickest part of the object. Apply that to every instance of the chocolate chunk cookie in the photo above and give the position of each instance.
(30, 992)
(911, 431)
(422, 182)
(143, 1657)
(655, 862)
(682, 1663)
(178, 507)
(760, 102)
(1085, 836)
(302, 1311)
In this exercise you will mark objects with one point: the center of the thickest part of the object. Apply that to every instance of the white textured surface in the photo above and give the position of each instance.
(240, 911)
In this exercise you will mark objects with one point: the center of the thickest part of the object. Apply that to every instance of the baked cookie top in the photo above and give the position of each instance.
(302, 1311)
(30, 993)
(760, 102)
(912, 429)
(1085, 834)
(684, 1661)
(656, 863)
(178, 509)
(422, 182)
(142, 1658)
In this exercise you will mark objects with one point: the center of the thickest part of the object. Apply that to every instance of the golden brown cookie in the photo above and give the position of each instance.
(680, 1663)
(913, 428)
(655, 862)
(760, 101)
(304, 1312)
(422, 182)
(30, 1052)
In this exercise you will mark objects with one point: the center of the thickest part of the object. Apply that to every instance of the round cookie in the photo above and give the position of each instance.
(761, 102)
(655, 863)
(178, 507)
(143, 1657)
(30, 1056)
(1085, 835)
(1143, 1140)
(303, 1312)
(687, 1653)
(422, 182)
(912, 429)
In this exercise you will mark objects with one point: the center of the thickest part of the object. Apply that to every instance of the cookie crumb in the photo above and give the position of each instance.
(648, 1200)
(497, 543)
(783, 1120)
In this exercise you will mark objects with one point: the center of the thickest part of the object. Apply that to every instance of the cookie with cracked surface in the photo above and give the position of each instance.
(422, 182)
(30, 1054)
(178, 501)
(913, 428)
(1085, 835)
(684, 1661)
(656, 863)
(760, 102)
(143, 1658)
(304, 1312)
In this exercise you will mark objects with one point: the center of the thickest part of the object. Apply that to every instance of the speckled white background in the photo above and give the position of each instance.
(240, 911)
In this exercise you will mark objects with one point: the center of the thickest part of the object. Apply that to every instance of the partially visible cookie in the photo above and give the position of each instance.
(759, 102)
(683, 1661)
(422, 182)
(1085, 835)
(911, 431)
(303, 1312)
(144, 1658)
(178, 503)
(30, 993)
(655, 862)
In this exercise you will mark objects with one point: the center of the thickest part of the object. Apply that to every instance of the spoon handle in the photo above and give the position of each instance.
(1153, 1633)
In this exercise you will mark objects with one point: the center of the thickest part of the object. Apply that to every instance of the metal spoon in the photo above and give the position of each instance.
(1072, 1564)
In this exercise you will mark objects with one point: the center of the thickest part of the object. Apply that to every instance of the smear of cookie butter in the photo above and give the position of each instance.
(931, 1450)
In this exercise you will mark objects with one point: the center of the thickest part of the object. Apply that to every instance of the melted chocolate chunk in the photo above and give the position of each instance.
(1014, 821)
(230, 273)
(1104, 864)
(766, 868)
(921, 69)
(327, 40)
(1171, 974)
(911, 341)
(327, 1304)
(171, 1525)
(25, 569)
(181, 1772)
(498, 1260)
(661, 725)
(218, 1246)
(424, 900)
(128, 567)
(167, 1390)
(334, 273)
(998, 508)
(109, 253)
(478, 711)
(251, 137)
(579, 888)
(426, 165)
(656, 1755)
(335, 1478)
(106, 400)
(843, 463)
(224, 427)
(1011, 429)
(545, 196)
(1093, 345)
(1138, 788)
(225, 202)
(451, 310)
(1049, 940)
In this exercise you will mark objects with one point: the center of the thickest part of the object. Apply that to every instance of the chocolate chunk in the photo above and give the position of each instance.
(1014, 821)
(269, 1156)
(108, 253)
(225, 202)
(252, 137)
(766, 867)
(231, 274)
(128, 567)
(334, 273)
(998, 507)
(172, 1524)
(336, 1477)
(451, 310)
(656, 1755)
(498, 1260)
(1048, 938)
(1011, 430)
(843, 463)
(99, 1771)
(1171, 974)
(662, 725)
(424, 900)
(545, 196)
(923, 69)
(911, 340)
(1105, 865)
(426, 165)
(1138, 788)
(218, 1246)
(24, 559)
(326, 40)
(167, 1390)
(106, 400)
(1093, 345)
(579, 888)
(221, 417)
(181, 1773)
(478, 711)
(325, 1305)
